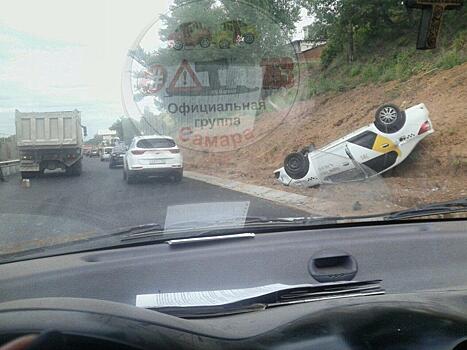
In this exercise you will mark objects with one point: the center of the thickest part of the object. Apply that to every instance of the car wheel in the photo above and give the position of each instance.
(205, 43)
(130, 178)
(389, 118)
(224, 44)
(178, 176)
(124, 173)
(296, 165)
(178, 45)
(249, 38)
(111, 165)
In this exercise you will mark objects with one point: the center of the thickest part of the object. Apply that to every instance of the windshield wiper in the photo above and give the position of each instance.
(196, 229)
(280, 295)
(458, 205)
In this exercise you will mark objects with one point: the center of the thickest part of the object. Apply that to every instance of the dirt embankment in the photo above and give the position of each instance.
(435, 171)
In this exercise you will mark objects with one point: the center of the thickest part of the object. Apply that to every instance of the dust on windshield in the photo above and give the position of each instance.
(215, 111)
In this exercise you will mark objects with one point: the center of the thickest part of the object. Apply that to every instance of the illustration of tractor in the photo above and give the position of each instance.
(234, 32)
(190, 34)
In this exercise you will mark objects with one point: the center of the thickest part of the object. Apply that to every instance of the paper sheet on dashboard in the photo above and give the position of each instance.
(205, 298)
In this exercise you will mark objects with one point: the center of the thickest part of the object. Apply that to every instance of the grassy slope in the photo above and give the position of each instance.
(384, 61)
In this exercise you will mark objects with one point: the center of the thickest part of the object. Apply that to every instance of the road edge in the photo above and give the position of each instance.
(288, 199)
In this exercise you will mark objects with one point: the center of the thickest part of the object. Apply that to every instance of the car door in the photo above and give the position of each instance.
(376, 153)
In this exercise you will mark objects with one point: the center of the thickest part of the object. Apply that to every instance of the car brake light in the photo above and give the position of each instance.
(137, 151)
(175, 151)
(424, 128)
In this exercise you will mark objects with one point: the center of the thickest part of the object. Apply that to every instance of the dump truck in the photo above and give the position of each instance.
(49, 140)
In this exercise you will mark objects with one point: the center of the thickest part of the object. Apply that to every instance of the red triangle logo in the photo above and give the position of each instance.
(184, 67)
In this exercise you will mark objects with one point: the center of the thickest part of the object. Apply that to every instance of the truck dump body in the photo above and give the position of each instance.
(48, 129)
(49, 140)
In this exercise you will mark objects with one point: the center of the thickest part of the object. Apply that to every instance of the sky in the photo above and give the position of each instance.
(65, 55)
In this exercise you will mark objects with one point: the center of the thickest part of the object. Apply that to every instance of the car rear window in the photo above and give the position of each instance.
(155, 143)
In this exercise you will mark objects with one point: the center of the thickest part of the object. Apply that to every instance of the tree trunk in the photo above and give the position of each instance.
(351, 45)
(410, 15)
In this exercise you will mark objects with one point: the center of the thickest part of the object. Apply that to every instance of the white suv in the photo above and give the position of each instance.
(153, 155)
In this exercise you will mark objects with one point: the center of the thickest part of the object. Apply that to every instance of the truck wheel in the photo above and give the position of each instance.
(389, 119)
(78, 168)
(75, 169)
(249, 38)
(178, 45)
(205, 43)
(224, 44)
(296, 165)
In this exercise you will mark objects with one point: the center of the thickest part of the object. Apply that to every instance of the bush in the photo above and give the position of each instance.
(329, 53)
(460, 41)
(449, 59)
(395, 59)
(355, 70)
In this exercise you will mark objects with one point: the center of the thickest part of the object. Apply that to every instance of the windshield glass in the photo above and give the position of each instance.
(209, 112)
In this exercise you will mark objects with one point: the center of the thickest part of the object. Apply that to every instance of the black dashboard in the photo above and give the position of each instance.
(91, 296)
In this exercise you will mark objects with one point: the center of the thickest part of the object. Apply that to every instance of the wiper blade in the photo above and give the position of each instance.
(454, 206)
(138, 229)
(242, 301)
(193, 229)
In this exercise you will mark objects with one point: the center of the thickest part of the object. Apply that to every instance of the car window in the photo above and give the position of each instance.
(274, 109)
(155, 143)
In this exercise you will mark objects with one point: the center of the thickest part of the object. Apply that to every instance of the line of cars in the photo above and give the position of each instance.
(146, 156)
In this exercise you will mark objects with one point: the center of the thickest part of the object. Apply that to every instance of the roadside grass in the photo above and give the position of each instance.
(390, 61)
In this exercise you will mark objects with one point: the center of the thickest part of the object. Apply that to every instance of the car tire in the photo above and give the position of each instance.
(249, 38)
(178, 176)
(129, 177)
(389, 119)
(124, 174)
(205, 43)
(178, 45)
(224, 44)
(111, 165)
(296, 165)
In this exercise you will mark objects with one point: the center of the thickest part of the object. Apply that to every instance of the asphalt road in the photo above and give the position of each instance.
(57, 208)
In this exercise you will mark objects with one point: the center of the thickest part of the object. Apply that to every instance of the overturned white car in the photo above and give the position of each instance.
(364, 153)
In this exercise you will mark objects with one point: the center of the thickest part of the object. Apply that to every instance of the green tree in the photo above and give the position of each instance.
(274, 20)
(344, 23)
(118, 127)
(94, 141)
